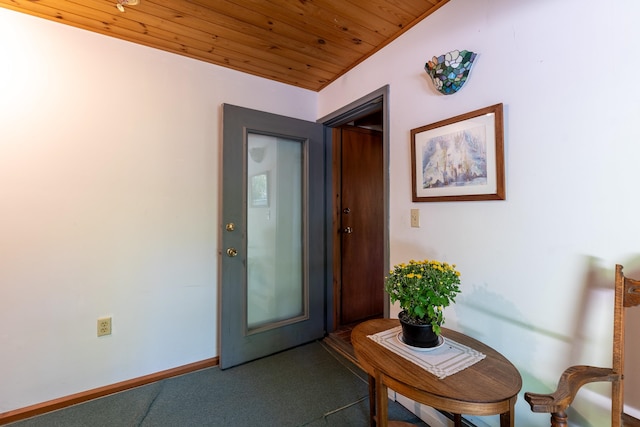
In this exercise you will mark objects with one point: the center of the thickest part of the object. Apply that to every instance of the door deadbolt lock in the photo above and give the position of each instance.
(347, 230)
(230, 226)
(231, 252)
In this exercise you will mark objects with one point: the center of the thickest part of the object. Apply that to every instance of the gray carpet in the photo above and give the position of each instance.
(309, 385)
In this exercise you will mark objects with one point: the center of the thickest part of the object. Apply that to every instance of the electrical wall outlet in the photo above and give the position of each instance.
(104, 326)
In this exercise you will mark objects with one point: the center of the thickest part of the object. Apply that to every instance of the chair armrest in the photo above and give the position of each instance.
(570, 382)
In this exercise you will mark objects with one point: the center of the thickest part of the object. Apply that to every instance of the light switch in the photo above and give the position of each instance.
(415, 218)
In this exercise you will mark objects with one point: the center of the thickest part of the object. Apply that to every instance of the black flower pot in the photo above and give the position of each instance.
(417, 335)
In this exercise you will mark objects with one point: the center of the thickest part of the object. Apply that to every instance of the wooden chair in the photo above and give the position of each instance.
(627, 294)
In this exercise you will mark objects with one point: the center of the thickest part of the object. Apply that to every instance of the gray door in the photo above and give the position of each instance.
(273, 248)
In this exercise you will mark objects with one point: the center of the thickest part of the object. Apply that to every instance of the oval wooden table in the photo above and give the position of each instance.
(489, 387)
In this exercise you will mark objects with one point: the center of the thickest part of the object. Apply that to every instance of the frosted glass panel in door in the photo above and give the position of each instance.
(276, 290)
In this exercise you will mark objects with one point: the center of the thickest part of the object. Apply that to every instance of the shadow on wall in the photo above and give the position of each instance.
(478, 309)
(495, 320)
(598, 280)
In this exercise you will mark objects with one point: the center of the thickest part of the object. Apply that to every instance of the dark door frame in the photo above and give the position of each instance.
(373, 102)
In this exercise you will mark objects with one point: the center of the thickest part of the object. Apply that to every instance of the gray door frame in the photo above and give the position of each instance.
(377, 100)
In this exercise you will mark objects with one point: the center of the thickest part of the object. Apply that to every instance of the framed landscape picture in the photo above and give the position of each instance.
(459, 159)
(259, 190)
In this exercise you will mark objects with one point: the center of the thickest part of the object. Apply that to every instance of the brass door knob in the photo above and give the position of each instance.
(231, 252)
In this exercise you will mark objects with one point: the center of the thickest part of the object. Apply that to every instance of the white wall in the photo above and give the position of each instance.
(109, 201)
(531, 265)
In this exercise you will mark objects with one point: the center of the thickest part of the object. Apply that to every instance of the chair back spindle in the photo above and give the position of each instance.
(627, 294)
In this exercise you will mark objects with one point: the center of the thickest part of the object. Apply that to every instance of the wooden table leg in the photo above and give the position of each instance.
(457, 420)
(372, 401)
(379, 405)
(382, 402)
(507, 418)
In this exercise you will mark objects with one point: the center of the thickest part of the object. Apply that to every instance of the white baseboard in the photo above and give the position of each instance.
(634, 412)
(435, 419)
(425, 413)
(604, 402)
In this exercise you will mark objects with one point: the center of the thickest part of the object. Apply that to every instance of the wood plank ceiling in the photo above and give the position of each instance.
(305, 43)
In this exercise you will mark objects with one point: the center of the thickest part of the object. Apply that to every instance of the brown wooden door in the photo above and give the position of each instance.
(361, 225)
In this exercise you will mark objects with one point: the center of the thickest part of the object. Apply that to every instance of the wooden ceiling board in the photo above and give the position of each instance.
(329, 15)
(155, 36)
(252, 46)
(360, 14)
(306, 30)
(305, 43)
(248, 44)
(393, 14)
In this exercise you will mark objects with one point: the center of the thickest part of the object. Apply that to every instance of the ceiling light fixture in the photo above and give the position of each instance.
(122, 3)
